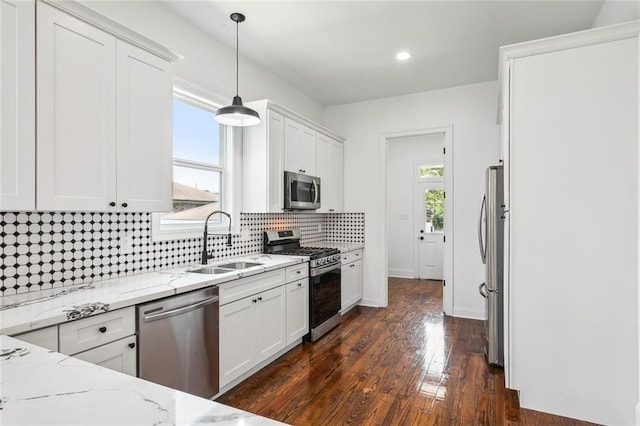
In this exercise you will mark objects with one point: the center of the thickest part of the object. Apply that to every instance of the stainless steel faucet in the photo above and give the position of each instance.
(205, 255)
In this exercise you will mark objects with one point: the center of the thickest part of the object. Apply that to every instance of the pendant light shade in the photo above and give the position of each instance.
(237, 114)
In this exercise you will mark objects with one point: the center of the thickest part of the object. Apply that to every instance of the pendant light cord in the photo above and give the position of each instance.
(237, 58)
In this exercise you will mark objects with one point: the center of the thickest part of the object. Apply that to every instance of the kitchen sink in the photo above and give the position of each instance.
(226, 268)
(211, 270)
(239, 265)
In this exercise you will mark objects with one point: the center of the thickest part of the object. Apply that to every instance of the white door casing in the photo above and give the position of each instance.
(448, 291)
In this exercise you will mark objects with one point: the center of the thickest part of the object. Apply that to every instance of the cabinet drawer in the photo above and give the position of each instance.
(119, 355)
(246, 287)
(351, 256)
(87, 333)
(297, 272)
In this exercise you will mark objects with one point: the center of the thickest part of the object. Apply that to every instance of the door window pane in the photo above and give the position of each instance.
(434, 210)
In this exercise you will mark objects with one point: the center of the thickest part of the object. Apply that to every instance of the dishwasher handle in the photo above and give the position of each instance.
(178, 311)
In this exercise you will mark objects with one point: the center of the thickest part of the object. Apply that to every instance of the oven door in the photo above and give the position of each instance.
(324, 294)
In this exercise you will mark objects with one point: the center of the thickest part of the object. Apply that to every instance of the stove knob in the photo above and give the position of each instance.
(320, 262)
(336, 257)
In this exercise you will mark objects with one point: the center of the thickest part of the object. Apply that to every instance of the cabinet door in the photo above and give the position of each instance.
(357, 281)
(269, 322)
(346, 287)
(299, 148)
(329, 167)
(144, 153)
(119, 355)
(297, 310)
(76, 114)
(275, 162)
(237, 331)
(17, 105)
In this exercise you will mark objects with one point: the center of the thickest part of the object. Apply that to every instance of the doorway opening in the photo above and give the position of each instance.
(417, 206)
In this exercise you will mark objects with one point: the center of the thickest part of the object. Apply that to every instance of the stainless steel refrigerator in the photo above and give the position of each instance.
(491, 239)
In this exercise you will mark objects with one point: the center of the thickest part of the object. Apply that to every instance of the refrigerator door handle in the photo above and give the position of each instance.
(483, 293)
(481, 242)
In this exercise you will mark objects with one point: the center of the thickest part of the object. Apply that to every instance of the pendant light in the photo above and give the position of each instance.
(237, 114)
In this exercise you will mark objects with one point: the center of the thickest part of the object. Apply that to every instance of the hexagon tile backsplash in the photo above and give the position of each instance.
(42, 250)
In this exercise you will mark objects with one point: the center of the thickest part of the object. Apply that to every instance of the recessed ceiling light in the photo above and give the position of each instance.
(403, 56)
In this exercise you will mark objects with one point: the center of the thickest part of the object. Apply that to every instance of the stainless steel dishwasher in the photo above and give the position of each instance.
(178, 342)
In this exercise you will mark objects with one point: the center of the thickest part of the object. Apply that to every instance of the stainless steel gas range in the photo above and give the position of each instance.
(324, 278)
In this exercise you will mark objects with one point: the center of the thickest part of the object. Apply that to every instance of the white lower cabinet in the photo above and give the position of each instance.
(119, 355)
(107, 339)
(351, 289)
(251, 330)
(297, 309)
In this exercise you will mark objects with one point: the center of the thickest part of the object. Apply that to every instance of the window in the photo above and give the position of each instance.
(431, 171)
(202, 172)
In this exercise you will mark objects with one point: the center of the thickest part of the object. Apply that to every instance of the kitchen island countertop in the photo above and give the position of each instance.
(38, 386)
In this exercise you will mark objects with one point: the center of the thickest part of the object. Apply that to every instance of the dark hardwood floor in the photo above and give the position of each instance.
(407, 364)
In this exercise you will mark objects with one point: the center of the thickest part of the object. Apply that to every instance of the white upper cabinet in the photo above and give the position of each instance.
(299, 148)
(104, 111)
(76, 113)
(17, 105)
(144, 94)
(283, 141)
(263, 165)
(329, 162)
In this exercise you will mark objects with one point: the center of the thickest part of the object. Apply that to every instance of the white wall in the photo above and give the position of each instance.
(472, 112)
(402, 155)
(207, 62)
(616, 11)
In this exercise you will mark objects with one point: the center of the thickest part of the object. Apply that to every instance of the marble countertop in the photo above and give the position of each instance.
(42, 387)
(31, 311)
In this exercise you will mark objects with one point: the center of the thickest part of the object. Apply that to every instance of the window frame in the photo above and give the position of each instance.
(230, 169)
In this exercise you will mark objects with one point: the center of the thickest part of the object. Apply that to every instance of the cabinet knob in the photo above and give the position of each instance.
(132, 345)
(112, 204)
(255, 300)
(299, 284)
(125, 205)
(298, 272)
(260, 299)
(102, 329)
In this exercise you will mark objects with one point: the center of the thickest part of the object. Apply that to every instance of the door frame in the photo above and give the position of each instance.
(383, 271)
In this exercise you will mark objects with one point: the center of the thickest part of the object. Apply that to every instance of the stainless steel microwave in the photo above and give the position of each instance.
(301, 192)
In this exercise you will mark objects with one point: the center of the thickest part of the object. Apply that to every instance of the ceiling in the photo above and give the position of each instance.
(341, 52)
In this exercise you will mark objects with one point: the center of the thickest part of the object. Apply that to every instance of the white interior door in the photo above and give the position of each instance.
(430, 229)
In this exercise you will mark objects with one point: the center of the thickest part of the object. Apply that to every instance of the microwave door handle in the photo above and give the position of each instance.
(315, 192)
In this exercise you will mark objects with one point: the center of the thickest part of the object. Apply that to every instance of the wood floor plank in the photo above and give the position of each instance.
(407, 364)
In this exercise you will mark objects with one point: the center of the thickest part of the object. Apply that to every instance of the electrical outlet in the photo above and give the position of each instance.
(245, 234)
(126, 246)
(319, 228)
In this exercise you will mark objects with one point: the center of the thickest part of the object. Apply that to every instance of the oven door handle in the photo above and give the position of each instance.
(323, 270)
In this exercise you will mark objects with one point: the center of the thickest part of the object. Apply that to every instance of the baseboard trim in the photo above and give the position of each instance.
(469, 314)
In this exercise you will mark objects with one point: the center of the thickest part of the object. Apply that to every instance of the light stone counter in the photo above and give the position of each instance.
(41, 387)
(31, 311)
(343, 247)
